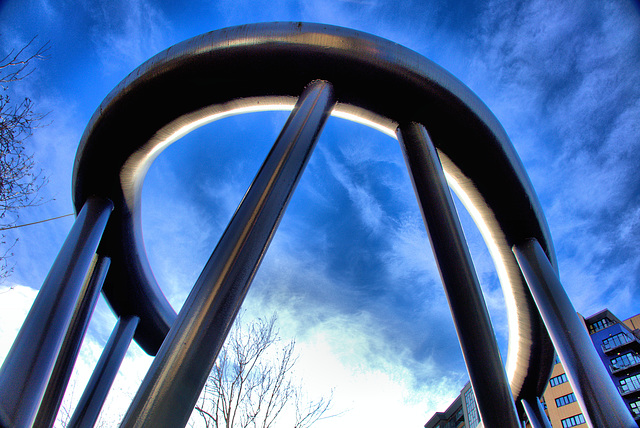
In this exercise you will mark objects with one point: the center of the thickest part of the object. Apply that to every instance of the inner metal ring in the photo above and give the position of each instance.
(265, 67)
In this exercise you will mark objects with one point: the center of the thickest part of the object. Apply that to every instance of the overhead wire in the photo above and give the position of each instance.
(35, 222)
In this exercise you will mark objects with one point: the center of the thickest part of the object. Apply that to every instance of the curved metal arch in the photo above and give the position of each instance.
(243, 68)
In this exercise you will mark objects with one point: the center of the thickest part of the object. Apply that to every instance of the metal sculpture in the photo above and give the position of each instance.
(444, 129)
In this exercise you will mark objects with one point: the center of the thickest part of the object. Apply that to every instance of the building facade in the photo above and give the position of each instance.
(462, 413)
(618, 346)
(559, 400)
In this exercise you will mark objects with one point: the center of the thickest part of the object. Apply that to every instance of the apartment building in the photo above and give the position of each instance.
(462, 413)
(618, 346)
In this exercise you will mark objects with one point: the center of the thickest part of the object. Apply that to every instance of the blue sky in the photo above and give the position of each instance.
(350, 270)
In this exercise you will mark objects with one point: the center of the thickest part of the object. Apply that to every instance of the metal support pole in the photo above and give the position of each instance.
(470, 315)
(171, 387)
(59, 380)
(29, 364)
(535, 413)
(94, 395)
(594, 389)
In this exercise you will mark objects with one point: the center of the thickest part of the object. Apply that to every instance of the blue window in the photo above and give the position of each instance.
(625, 360)
(565, 399)
(573, 421)
(631, 383)
(600, 325)
(558, 380)
(472, 410)
(615, 341)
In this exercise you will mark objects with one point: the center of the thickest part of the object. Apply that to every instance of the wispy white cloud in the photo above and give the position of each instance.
(563, 80)
(353, 356)
(53, 146)
(177, 235)
(573, 77)
(410, 255)
(370, 373)
(127, 33)
(15, 302)
(368, 207)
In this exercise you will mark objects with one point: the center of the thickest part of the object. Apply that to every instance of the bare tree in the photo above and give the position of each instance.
(251, 383)
(20, 180)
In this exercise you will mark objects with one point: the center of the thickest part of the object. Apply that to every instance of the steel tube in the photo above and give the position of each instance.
(28, 366)
(602, 404)
(71, 345)
(535, 413)
(214, 75)
(95, 393)
(468, 309)
(171, 387)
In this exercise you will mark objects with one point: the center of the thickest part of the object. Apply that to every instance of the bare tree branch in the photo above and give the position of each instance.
(251, 384)
(15, 65)
(309, 414)
(20, 180)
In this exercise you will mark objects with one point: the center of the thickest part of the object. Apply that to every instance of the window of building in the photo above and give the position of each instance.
(617, 340)
(626, 360)
(565, 399)
(631, 383)
(554, 381)
(600, 325)
(635, 408)
(472, 409)
(573, 421)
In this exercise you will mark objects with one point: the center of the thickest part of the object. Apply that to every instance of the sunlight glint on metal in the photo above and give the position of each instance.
(445, 131)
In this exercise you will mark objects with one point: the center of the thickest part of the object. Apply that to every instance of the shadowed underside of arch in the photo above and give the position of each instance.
(449, 140)
(266, 66)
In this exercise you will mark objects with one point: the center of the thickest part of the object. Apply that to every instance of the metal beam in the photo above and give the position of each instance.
(28, 366)
(59, 380)
(95, 393)
(379, 82)
(470, 315)
(535, 413)
(602, 404)
(171, 387)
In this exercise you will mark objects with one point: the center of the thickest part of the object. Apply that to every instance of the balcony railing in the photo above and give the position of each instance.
(629, 389)
(621, 368)
(622, 340)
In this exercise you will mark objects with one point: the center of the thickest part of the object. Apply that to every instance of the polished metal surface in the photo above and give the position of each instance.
(95, 393)
(29, 364)
(445, 131)
(171, 387)
(468, 308)
(213, 76)
(68, 354)
(602, 404)
(535, 413)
